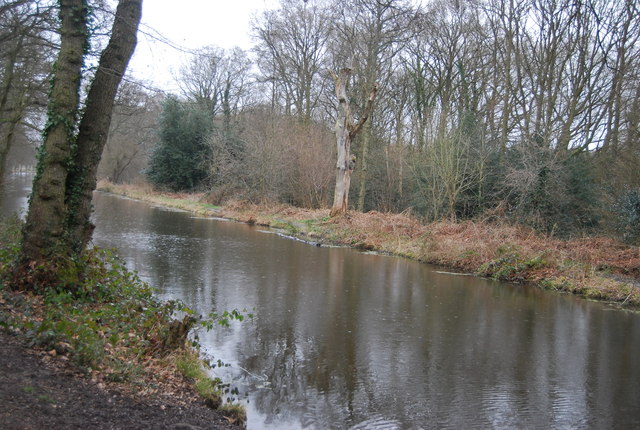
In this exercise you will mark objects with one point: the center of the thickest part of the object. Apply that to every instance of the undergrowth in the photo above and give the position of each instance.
(510, 265)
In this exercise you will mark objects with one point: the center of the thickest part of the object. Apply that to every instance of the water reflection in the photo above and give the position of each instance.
(14, 192)
(348, 340)
(344, 339)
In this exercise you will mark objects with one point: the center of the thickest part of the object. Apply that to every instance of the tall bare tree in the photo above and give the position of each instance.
(26, 54)
(292, 43)
(369, 36)
(346, 129)
(219, 81)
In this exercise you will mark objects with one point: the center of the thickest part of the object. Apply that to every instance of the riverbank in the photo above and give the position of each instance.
(94, 347)
(38, 391)
(596, 268)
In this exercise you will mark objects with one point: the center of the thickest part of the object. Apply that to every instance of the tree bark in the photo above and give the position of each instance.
(57, 225)
(364, 166)
(44, 228)
(346, 130)
(343, 170)
(94, 126)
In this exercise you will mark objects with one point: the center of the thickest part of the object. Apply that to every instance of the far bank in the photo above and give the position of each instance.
(596, 268)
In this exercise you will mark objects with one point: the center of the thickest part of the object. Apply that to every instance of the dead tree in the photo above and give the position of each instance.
(346, 130)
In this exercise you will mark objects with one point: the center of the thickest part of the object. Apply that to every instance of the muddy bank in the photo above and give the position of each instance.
(36, 392)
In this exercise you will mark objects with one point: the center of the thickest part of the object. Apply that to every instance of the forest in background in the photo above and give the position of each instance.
(491, 110)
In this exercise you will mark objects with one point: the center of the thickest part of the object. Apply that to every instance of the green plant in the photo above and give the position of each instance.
(509, 265)
(10, 234)
(627, 212)
(93, 307)
(191, 366)
(178, 160)
(285, 225)
(208, 390)
(224, 318)
(104, 318)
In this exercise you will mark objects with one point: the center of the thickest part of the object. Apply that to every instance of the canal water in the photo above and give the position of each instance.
(348, 340)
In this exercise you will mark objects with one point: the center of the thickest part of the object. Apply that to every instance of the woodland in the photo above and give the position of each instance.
(449, 130)
(488, 110)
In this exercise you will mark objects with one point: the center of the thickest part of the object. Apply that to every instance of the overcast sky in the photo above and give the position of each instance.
(189, 24)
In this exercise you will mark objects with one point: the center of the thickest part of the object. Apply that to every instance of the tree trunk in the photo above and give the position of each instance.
(7, 131)
(364, 167)
(44, 229)
(57, 226)
(346, 130)
(343, 170)
(94, 126)
(7, 126)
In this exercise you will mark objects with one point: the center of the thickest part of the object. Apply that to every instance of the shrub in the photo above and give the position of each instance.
(627, 211)
(178, 160)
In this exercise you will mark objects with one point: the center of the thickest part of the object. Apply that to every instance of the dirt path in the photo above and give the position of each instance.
(36, 395)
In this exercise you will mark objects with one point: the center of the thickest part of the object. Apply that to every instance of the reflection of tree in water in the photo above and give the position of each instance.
(320, 367)
(423, 347)
(304, 363)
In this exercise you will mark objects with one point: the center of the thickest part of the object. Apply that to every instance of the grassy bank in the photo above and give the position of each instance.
(595, 268)
(108, 326)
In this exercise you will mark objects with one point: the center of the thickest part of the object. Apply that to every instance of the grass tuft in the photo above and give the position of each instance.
(191, 366)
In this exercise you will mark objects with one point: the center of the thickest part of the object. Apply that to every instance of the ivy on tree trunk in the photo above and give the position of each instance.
(94, 126)
(57, 224)
(44, 229)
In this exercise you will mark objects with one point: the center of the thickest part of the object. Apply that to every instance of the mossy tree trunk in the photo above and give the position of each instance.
(94, 126)
(57, 223)
(44, 229)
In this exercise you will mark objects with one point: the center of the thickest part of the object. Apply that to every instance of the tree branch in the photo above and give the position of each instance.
(353, 130)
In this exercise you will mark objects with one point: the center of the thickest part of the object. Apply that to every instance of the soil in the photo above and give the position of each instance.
(39, 392)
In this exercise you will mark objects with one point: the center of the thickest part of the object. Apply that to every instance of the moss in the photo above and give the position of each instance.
(191, 366)
(467, 255)
(557, 284)
(287, 226)
(510, 266)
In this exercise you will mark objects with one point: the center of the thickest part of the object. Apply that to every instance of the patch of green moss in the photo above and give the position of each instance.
(192, 367)
(510, 266)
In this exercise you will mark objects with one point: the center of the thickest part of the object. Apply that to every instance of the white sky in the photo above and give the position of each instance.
(189, 24)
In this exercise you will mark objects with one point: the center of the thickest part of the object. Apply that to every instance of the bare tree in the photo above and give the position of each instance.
(26, 54)
(346, 130)
(217, 80)
(201, 78)
(292, 43)
(131, 134)
(369, 37)
(620, 39)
